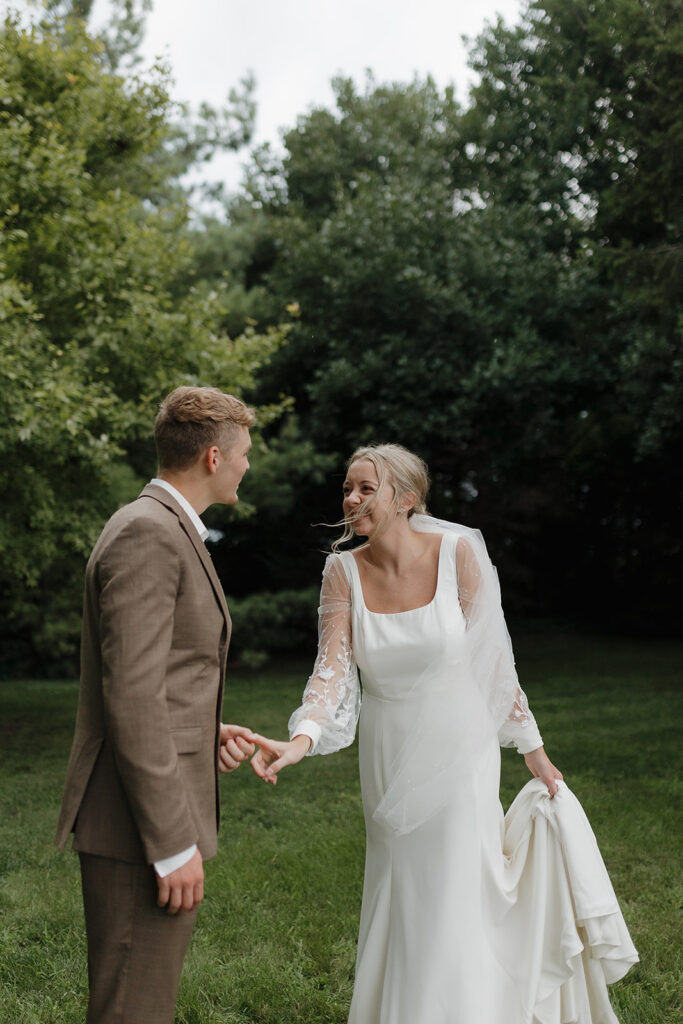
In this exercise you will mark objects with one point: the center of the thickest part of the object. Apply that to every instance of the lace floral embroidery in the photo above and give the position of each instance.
(332, 695)
(520, 710)
(326, 672)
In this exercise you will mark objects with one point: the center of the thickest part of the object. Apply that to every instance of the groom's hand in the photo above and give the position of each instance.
(183, 889)
(236, 745)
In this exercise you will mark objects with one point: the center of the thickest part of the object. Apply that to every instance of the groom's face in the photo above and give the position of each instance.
(233, 464)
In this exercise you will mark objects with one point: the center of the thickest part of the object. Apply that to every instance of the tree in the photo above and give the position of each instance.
(120, 38)
(498, 288)
(413, 300)
(578, 116)
(93, 327)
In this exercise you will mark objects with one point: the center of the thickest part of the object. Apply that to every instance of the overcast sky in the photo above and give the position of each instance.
(294, 48)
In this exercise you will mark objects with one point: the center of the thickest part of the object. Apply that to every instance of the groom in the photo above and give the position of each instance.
(141, 792)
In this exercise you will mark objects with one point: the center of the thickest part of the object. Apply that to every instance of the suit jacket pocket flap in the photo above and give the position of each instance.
(187, 740)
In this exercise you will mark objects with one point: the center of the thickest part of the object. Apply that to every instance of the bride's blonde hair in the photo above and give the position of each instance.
(405, 471)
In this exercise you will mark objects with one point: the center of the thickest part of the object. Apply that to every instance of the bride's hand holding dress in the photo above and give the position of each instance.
(540, 766)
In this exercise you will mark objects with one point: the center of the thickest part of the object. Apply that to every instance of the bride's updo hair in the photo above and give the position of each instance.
(406, 472)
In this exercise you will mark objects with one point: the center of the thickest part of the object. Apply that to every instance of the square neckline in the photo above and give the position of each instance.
(406, 611)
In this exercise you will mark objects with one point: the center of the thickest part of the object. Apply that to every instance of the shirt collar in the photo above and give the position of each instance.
(184, 504)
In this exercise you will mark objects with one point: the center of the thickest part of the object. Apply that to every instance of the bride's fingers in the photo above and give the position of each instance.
(551, 783)
(273, 746)
(259, 765)
(286, 758)
(265, 741)
(278, 765)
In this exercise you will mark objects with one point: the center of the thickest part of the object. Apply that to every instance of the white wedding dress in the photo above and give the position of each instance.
(467, 918)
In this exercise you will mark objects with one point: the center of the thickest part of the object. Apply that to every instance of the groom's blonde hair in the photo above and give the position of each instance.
(191, 419)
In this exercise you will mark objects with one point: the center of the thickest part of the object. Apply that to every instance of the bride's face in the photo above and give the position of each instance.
(361, 488)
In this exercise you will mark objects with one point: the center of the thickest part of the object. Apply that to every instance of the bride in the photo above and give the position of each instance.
(467, 918)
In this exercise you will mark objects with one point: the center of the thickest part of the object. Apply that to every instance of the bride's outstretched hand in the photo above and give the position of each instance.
(540, 766)
(273, 755)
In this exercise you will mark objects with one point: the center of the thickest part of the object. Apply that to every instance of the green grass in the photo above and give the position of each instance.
(275, 943)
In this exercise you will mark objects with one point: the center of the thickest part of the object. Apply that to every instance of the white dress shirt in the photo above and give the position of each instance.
(184, 504)
(168, 864)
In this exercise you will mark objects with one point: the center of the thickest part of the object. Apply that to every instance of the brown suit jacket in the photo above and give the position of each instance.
(142, 781)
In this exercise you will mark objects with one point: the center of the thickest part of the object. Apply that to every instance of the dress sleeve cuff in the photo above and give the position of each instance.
(168, 864)
(309, 728)
(528, 739)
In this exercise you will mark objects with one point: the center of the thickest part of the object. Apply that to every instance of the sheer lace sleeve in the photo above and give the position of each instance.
(491, 654)
(331, 701)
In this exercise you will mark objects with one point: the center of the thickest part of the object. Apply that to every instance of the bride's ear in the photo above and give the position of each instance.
(408, 503)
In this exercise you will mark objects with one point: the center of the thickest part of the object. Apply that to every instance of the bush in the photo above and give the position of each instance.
(268, 623)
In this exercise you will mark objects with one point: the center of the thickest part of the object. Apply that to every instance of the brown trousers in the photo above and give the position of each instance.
(135, 949)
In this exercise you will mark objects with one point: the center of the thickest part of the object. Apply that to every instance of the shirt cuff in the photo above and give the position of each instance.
(311, 729)
(168, 864)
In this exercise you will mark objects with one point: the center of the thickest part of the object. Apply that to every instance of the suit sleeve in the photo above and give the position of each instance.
(139, 580)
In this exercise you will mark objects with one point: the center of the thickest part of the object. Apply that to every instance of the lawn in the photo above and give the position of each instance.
(275, 943)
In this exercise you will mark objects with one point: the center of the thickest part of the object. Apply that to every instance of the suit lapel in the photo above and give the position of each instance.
(164, 498)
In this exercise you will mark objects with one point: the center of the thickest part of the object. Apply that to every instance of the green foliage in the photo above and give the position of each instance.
(499, 288)
(277, 548)
(496, 286)
(273, 622)
(122, 35)
(578, 116)
(577, 111)
(281, 469)
(577, 121)
(93, 328)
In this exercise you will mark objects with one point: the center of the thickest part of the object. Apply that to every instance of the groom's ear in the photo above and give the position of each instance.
(210, 458)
